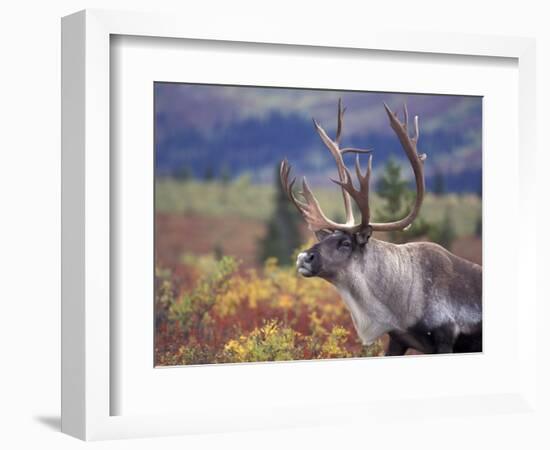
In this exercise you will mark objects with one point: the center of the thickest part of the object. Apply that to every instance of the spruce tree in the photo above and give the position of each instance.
(225, 174)
(397, 198)
(445, 233)
(283, 229)
(479, 226)
(184, 173)
(209, 173)
(393, 189)
(439, 183)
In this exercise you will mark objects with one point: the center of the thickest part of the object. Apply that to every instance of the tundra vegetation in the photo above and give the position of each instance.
(220, 297)
(220, 312)
(227, 236)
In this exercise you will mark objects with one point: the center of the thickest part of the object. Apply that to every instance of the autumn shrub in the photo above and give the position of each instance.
(214, 311)
(192, 308)
(270, 342)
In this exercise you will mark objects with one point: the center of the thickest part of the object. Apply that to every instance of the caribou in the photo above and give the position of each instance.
(423, 296)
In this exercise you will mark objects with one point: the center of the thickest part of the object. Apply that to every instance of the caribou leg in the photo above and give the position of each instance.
(396, 347)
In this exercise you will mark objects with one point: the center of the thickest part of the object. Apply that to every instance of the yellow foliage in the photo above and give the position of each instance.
(216, 320)
(285, 301)
(333, 345)
(268, 343)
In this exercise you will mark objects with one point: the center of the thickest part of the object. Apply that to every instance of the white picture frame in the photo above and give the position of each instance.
(88, 387)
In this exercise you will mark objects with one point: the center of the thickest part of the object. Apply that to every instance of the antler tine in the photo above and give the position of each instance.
(363, 179)
(416, 160)
(310, 210)
(365, 182)
(343, 151)
(337, 155)
(341, 112)
(361, 196)
(287, 187)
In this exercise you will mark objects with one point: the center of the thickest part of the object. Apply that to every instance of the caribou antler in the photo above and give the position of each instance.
(417, 163)
(310, 207)
(361, 196)
(337, 152)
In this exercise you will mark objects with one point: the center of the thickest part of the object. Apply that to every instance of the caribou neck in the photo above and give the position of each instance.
(376, 289)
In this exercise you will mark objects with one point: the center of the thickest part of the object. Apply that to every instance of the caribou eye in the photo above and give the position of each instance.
(344, 243)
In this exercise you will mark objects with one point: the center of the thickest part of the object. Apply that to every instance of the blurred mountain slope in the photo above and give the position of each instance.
(234, 130)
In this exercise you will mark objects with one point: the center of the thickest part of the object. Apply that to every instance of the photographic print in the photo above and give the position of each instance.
(305, 224)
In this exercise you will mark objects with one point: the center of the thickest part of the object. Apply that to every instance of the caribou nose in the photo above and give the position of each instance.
(305, 263)
(305, 257)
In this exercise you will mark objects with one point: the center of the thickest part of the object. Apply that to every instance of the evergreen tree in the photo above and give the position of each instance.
(393, 189)
(397, 197)
(439, 183)
(283, 231)
(209, 173)
(479, 191)
(218, 251)
(184, 173)
(444, 234)
(225, 174)
(479, 223)
(479, 226)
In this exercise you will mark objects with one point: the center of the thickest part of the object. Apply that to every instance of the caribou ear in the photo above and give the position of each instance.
(362, 236)
(322, 234)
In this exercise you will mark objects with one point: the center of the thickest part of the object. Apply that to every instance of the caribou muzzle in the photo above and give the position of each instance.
(308, 263)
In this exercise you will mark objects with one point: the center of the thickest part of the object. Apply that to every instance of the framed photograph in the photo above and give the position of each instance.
(207, 287)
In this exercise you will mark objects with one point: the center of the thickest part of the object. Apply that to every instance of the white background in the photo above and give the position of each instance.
(30, 187)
